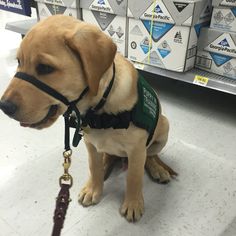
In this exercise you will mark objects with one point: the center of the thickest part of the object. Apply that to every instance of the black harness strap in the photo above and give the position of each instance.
(47, 89)
(106, 121)
(67, 130)
(42, 86)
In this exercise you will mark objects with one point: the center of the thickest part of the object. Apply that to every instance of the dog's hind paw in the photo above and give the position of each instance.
(158, 170)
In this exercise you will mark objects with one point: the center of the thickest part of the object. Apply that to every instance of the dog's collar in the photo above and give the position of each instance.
(70, 121)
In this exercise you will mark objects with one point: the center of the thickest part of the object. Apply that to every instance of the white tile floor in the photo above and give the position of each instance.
(201, 148)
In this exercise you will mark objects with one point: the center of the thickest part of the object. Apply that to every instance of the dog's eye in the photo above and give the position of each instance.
(43, 69)
(18, 61)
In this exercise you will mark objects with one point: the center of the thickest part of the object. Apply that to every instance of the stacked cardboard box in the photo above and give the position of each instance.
(224, 15)
(217, 45)
(164, 33)
(52, 7)
(110, 17)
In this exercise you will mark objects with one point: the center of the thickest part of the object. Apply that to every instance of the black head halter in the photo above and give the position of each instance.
(70, 120)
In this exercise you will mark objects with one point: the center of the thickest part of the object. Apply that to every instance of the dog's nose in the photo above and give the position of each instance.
(8, 107)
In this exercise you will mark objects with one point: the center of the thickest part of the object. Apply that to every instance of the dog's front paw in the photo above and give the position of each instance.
(132, 210)
(90, 196)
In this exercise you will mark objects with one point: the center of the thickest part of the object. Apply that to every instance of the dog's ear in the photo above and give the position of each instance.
(95, 49)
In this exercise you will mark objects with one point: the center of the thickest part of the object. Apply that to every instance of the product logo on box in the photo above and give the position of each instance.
(158, 9)
(101, 2)
(157, 17)
(157, 12)
(178, 37)
(224, 43)
(223, 46)
(101, 5)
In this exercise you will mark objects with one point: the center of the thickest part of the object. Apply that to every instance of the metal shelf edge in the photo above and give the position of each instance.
(21, 27)
(216, 82)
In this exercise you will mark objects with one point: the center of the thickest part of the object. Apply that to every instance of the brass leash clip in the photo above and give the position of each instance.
(66, 178)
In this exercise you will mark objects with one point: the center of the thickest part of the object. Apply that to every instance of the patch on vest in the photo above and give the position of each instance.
(146, 111)
(149, 103)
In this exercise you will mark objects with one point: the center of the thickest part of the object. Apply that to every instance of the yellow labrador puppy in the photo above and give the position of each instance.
(69, 55)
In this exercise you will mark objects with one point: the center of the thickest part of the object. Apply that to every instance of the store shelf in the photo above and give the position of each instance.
(213, 81)
(21, 27)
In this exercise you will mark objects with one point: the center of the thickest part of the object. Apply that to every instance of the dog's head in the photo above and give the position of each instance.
(67, 55)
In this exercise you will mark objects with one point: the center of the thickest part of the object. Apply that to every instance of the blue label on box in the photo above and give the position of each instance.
(157, 29)
(145, 45)
(234, 10)
(163, 52)
(220, 59)
(16, 6)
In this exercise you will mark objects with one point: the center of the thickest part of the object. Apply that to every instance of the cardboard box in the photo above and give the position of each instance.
(117, 7)
(63, 3)
(163, 45)
(216, 41)
(179, 12)
(216, 63)
(228, 3)
(45, 10)
(224, 18)
(110, 17)
(112, 25)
